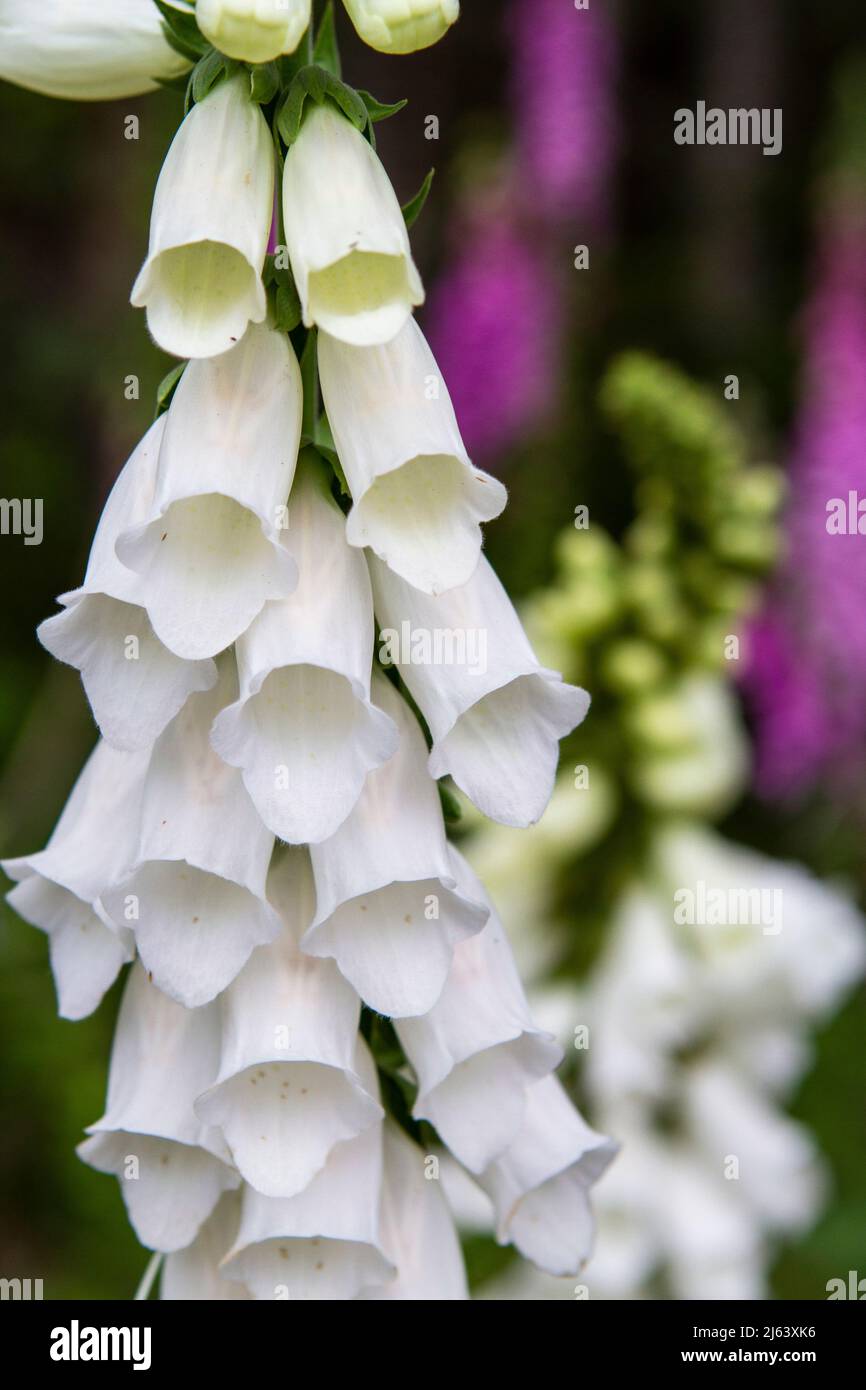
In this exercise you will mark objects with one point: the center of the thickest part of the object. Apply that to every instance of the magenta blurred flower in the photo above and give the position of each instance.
(807, 675)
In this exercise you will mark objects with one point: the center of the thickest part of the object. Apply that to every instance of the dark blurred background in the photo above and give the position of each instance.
(705, 256)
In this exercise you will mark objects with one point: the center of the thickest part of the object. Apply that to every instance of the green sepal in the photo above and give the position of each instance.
(210, 70)
(287, 308)
(325, 50)
(264, 82)
(181, 30)
(321, 85)
(380, 110)
(166, 388)
(413, 209)
(451, 808)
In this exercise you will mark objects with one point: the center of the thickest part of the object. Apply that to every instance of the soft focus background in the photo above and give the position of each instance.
(601, 387)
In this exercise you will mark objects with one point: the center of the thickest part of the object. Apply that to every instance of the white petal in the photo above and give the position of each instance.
(477, 1050)
(134, 684)
(345, 233)
(85, 49)
(254, 30)
(201, 282)
(322, 1244)
(287, 1091)
(211, 553)
(417, 1230)
(193, 1274)
(196, 898)
(402, 26)
(163, 1057)
(540, 1186)
(418, 500)
(495, 714)
(91, 848)
(304, 730)
(388, 908)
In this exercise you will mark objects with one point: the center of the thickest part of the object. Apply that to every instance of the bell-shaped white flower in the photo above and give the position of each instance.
(388, 906)
(324, 1243)
(401, 26)
(477, 1050)
(193, 1274)
(345, 233)
(195, 898)
(212, 552)
(172, 1170)
(86, 49)
(418, 1230)
(417, 499)
(496, 715)
(135, 685)
(540, 1185)
(304, 731)
(58, 889)
(287, 1091)
(254, 30)
(201, 282)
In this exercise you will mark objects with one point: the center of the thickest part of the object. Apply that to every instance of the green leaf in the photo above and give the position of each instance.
(209, 71)
(451, 808)
(380, 110)
(325, 52)
(412, 210)
(264, 82)
(181, 30)
(287, 308)
(166, 388)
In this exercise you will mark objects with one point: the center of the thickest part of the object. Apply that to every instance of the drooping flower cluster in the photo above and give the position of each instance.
(259, 831)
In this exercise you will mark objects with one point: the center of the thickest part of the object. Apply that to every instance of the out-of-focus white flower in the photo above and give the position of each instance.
(286, 1091)
(212, 550)
(324, 1243)
(172, 1169)
(58, 889)
(135, 685)
(477, 1050)
(85, 49)
(193, 1274)
(714, 1248)
(196, 896)
(417, 499)
(417, 1230)
(253, 30)
(388, 906)
(693, 756)
(304, 731)
(540, 1185)
(345, 233)
(201, 282)
(496, 715)
(402, 26)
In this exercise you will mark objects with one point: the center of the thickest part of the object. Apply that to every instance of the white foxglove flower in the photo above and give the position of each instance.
(86, 49)
(304, 730)
(253, 30)
(134, 684)
(58, 889)
(417, 1229)
(345, 233)
(402, 26)
(212, 551)
(201, 282)
(196, 896)
(540, 1186)
(477, 1050)
(323, 1244)
(172, 1170)
(417, 499)
(287, 1091)
(496, 715)
(193, 1274)
(388, 906)
(714, 1247)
